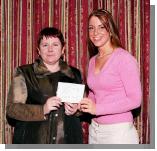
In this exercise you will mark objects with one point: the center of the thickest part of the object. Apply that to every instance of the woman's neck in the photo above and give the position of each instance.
(53, 67)
(105, 50)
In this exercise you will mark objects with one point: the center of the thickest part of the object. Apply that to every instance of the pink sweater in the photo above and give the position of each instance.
(116, 90)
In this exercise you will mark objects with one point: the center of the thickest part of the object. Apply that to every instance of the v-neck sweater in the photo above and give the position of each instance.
(116, 89)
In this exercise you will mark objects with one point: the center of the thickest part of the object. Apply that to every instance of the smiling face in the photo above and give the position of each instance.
(98, 33)
(50, 50)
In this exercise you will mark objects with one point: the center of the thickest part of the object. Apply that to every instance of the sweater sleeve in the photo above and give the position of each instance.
(129, 74)
(16, 102)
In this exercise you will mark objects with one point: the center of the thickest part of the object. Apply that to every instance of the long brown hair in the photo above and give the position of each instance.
(107, 20)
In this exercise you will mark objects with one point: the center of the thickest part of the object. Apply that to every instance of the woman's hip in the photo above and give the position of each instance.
(119, 133)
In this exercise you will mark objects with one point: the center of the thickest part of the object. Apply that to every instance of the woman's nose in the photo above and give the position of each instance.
(95, 31)
(50, 48)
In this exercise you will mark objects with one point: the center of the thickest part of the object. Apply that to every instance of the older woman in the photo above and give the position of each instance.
(40, 116)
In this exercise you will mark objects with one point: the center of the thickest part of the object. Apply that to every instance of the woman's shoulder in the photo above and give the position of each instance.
(24, 67)
(74, 69)
(123, 54)
(125, 58)
(92, 59)
(77, 74)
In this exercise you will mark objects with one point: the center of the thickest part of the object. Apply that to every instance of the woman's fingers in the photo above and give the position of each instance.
(84, 104)
(52, 103)
(70, 108)
(88, 106)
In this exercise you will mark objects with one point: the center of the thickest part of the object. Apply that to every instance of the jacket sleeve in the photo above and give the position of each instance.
(16, 102)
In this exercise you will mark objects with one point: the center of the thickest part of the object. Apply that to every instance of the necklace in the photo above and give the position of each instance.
(105, 54)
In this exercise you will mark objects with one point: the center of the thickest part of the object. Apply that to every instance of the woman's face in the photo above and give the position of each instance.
(98, 33)
(50, 50)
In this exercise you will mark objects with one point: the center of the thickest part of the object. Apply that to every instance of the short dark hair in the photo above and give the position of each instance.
(50, 32)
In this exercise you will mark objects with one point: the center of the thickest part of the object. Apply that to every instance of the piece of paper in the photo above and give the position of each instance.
(70, 92)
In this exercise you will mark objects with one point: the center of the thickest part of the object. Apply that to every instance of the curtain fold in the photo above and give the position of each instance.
(21, 21)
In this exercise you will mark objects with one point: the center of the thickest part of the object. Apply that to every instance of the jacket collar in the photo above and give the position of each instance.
(41, 70)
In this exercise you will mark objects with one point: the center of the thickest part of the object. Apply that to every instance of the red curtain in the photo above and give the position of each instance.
(21, 20)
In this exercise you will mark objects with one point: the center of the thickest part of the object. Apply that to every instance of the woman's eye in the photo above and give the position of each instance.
(102, 27)
(55, 44)
(44, 45)
(90, 28)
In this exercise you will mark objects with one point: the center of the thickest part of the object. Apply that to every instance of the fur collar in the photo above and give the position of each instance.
(40, 69)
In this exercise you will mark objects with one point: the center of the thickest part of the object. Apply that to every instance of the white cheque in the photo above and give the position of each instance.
(70, 92)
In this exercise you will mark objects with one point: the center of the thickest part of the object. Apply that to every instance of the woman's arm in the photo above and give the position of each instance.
(129, 74)
(16, 102)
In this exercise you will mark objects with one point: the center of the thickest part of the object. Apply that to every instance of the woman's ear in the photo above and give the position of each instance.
(38, 51)
(63, 53)
(63, 50)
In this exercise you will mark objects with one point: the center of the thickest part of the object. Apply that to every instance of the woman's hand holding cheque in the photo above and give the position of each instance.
(88, 106)
(70, 108)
